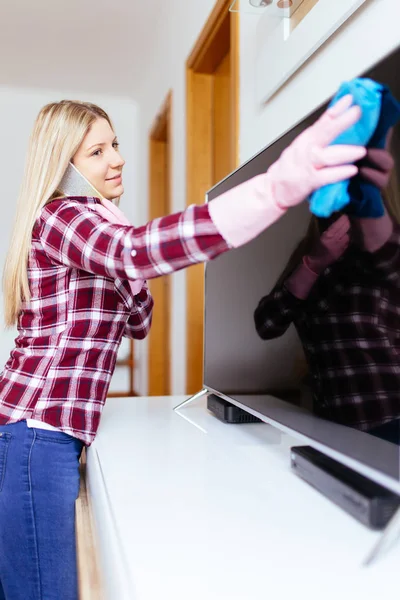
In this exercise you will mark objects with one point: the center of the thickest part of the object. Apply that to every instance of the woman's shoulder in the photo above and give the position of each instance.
(57, 201)
(71, 203)
(64, 208)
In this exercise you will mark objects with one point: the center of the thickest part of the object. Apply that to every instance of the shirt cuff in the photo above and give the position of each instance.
(243, 212)
(301, 281)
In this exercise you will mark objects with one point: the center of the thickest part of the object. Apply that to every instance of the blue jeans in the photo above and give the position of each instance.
(39, 483)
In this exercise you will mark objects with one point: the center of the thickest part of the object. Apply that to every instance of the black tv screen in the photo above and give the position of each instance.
(273, 378)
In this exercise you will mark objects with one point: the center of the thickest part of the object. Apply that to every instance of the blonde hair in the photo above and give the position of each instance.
(57, 134)
(391, 197)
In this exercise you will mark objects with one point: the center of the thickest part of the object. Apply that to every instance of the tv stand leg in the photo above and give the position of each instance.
(199, 394)
(390, 535)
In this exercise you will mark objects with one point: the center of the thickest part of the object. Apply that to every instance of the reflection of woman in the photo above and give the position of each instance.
(74, 286)
(341, 289)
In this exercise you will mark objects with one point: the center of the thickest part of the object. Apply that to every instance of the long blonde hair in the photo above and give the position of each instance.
(57, 134)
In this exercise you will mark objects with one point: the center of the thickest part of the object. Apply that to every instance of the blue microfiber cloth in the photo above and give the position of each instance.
(379, 112)
(366, 198)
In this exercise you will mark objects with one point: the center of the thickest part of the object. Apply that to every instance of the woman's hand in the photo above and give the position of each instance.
(330, 247)
(310, 162)
(377, 167)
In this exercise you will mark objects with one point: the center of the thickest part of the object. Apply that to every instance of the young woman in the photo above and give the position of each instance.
(74, 284)
(341, 289)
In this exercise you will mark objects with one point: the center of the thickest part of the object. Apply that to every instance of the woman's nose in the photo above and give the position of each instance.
(116, 160)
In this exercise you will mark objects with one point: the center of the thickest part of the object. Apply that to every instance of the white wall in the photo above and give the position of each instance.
(365, 38)
(167, 72)
(371, 33)
(18, 110)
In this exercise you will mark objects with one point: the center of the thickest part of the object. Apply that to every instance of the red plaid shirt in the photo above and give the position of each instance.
(350, 330)
(81, 306)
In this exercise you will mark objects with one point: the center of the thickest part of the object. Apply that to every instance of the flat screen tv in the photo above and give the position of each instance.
(271, 378)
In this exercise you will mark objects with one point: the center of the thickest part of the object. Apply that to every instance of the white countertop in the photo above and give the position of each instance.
(189, 508)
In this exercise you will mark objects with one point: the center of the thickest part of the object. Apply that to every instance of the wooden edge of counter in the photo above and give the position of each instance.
(89, 579)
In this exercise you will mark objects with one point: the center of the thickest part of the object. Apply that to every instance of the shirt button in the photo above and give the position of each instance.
(133, 253)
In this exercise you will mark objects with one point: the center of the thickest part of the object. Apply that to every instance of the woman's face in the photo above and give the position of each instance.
(99, 160)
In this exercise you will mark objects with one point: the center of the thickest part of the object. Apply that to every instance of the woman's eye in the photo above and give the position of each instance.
(96, 152)
(115, 144)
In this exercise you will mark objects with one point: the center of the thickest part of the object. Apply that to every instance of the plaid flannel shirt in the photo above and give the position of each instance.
(81, 306)
(350, 330)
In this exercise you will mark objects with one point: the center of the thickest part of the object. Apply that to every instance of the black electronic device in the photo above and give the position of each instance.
(370, 503)
(227, 412)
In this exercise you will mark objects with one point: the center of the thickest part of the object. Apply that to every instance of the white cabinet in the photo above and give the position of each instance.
(187, 507)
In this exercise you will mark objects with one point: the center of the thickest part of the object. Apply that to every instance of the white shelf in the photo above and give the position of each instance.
(191, 508)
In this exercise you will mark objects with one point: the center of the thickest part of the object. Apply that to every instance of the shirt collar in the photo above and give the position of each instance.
(83, 199)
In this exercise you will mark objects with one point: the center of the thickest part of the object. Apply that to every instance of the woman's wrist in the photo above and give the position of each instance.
(314, 265)
(371, 234)
(301, 281)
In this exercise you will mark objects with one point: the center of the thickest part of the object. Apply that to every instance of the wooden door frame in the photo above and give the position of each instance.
(160, 141)
(220, 34)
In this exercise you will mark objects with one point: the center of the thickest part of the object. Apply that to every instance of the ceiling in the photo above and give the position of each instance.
(89, 45)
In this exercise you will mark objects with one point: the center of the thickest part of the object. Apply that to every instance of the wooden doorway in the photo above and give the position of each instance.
(159, 206)
(212, 76)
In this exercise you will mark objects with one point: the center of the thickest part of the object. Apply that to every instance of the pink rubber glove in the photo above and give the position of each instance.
(328, 249)
(372, 234)
(307, 164)
(310, 163)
